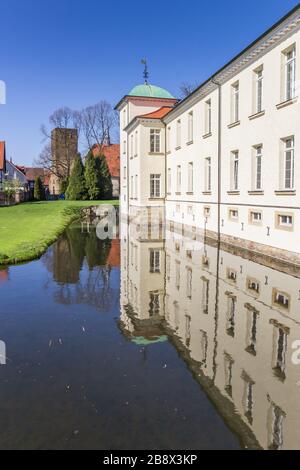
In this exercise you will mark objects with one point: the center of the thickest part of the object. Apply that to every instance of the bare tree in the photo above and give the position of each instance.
(97, 124)
(187, 88)
(94, 124)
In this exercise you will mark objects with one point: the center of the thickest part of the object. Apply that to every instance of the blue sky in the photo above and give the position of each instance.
(74, 53)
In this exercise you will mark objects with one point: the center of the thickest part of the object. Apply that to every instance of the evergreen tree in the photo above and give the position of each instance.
(105, 183)
(63, 185)
(39, 191)
(76, 189)
(92, 178)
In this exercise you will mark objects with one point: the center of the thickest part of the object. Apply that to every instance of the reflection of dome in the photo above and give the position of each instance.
(142, 341)
(150, 91)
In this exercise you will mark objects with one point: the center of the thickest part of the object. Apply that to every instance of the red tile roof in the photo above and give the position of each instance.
(112, 155)
(158, 114)
(33, 172)
(2, 156)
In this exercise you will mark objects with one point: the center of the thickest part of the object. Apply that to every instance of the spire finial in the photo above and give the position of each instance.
(145, 73)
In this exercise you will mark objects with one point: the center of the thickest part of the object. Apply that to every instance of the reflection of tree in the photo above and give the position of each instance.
(68, 256)
(66, 261)
(93, 290)
(96, 250)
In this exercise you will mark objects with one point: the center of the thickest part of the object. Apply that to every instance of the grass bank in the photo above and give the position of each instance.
(26, 230)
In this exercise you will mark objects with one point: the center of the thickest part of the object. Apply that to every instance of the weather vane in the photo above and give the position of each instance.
(146, 73)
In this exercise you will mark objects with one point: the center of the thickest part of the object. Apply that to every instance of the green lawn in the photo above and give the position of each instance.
(26, 230)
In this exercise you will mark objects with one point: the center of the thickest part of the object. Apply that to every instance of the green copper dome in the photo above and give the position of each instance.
(150, 91)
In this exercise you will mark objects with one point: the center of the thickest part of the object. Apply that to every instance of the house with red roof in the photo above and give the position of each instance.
(10, 172)
(112, 155)
(2, 163)
(31, 173)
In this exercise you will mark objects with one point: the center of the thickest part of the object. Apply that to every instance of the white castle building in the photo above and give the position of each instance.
(225, 160)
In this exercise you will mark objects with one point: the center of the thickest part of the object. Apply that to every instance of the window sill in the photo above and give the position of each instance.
(155, 153)
(256, 115)
(256, 224)
(285, 228)
(285, 192)
(155, 199)
(233, 193)
(234, 124)
(190, 142)
(190, 193)
(178, 147)
(169, 194)
(206, 193)
(256, 192)
(286, 103)
(205, 136)
(178, 193)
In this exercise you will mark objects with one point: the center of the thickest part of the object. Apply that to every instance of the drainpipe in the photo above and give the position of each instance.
(216, 317)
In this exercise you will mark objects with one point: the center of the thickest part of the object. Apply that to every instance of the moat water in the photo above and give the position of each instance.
(140, 344)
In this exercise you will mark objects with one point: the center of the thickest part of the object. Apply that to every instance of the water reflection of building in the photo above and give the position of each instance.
(232, 320)
(3, 275)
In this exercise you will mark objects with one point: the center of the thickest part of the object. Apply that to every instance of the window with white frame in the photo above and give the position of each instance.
(136, 186)
(155, 140)
(131, 186)
(124, 146)
(206, 211)
(155, 185)
(203, 346)
(290, 74)
(154, 303)
(251, 334)
(178, 133)
(190, 177)
(169, 181)
(248, 397)
(207, 174)
(235, 102)
(288, 164)
(234, 172)
(275, 429)
(228, 369)
(135, 144)
(255, 217)
(124, 118)
(189, 281)
(257, 168)
(233, 214)
(284, 220)
(155, 261)
(178, 187)
(168, 139)
(190, 126)
(205, 295)
(131, 146)
(258, 77)
(124, 173)
(231, 311)
(177, 275)
(208, 117)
